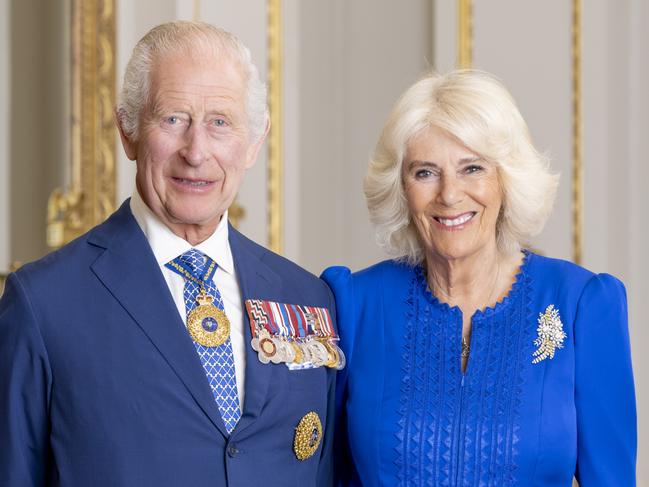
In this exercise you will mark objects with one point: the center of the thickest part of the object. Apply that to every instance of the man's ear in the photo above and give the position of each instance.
(253, 150)
(129, 144)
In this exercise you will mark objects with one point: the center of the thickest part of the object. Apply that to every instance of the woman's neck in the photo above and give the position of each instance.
(473, 282)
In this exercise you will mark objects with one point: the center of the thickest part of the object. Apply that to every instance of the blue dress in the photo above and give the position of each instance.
(408, 416)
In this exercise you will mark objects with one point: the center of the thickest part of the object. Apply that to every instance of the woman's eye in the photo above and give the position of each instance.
(423, 173)
(473, 169)
(173, 120)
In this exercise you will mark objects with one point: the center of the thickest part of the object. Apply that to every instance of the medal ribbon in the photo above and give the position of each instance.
(289, 320)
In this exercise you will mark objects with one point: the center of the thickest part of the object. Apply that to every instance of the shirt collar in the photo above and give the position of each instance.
(167, 246)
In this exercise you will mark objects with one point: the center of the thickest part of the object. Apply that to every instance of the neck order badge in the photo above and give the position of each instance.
(210, 329)
(201, 319)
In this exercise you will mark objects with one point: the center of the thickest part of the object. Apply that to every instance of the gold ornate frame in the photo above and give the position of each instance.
(275, 138)
(90, 196)
(577, 161)
(465, 33)
(465, 59)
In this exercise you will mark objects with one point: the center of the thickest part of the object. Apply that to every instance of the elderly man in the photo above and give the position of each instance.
(164, 348)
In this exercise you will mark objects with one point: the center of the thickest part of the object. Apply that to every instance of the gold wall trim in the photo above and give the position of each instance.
(577, 161)
(465, 33)
(275, 138)
(90, 196)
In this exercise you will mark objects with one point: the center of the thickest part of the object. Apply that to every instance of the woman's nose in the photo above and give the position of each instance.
(451, 191)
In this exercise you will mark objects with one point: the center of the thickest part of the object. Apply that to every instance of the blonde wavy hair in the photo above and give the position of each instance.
(187, 37)
(475, 108)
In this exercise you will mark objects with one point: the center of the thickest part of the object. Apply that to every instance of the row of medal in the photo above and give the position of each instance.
(309, 351)
(299, 336)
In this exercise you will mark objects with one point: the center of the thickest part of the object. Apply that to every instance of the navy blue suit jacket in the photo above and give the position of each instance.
(100, 384)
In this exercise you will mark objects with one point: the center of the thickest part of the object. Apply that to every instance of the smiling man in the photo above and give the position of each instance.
(163, 347)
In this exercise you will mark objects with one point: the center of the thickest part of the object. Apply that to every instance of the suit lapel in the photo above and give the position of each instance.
(130, 272)
(256, 280)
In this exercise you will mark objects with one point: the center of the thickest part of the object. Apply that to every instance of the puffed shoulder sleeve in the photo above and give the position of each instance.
(604, 391)
(25, 382)
(340, 280)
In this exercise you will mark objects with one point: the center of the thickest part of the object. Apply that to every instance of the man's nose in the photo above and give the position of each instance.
(194, 150)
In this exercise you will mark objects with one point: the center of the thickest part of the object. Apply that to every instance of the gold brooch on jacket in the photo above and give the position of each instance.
(551, 335)
(308, 434)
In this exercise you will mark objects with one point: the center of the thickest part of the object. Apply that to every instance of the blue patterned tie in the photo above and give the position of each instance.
(218, 361)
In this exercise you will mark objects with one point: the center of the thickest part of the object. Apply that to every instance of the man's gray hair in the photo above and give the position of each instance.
(476, 109)
(185, 36)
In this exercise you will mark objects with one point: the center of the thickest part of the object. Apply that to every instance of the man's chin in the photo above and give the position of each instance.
(188, 217)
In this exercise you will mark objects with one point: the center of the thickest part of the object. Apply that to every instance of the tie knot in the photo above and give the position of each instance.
(196, 263)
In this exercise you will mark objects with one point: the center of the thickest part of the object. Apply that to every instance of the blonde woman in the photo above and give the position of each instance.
(472, 361)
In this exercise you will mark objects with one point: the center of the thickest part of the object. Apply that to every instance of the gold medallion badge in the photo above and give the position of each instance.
(307, 436)
(204, 317)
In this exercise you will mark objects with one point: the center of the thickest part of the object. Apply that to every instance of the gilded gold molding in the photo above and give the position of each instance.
(275, 144)
(465, 33)
(577, 161)
(90, 196)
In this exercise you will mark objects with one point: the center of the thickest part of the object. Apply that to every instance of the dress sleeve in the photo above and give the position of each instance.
(604, 391)
(25, 381)
(339, 279)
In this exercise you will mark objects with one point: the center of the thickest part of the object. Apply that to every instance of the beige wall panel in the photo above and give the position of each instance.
(247, 20)
(355, 59)
(444, 35)
(527, 45)
(292, 133)
(637, 241)
(38, 132)
(134, 19)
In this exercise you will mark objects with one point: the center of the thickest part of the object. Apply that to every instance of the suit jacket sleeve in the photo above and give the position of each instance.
(25, 382)
(339, 280)
(604, 392)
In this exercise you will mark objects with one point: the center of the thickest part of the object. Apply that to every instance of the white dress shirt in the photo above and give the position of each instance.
(167, 246)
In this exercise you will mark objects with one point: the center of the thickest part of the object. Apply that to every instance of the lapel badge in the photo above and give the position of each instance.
(551, 334)
(308, 435)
